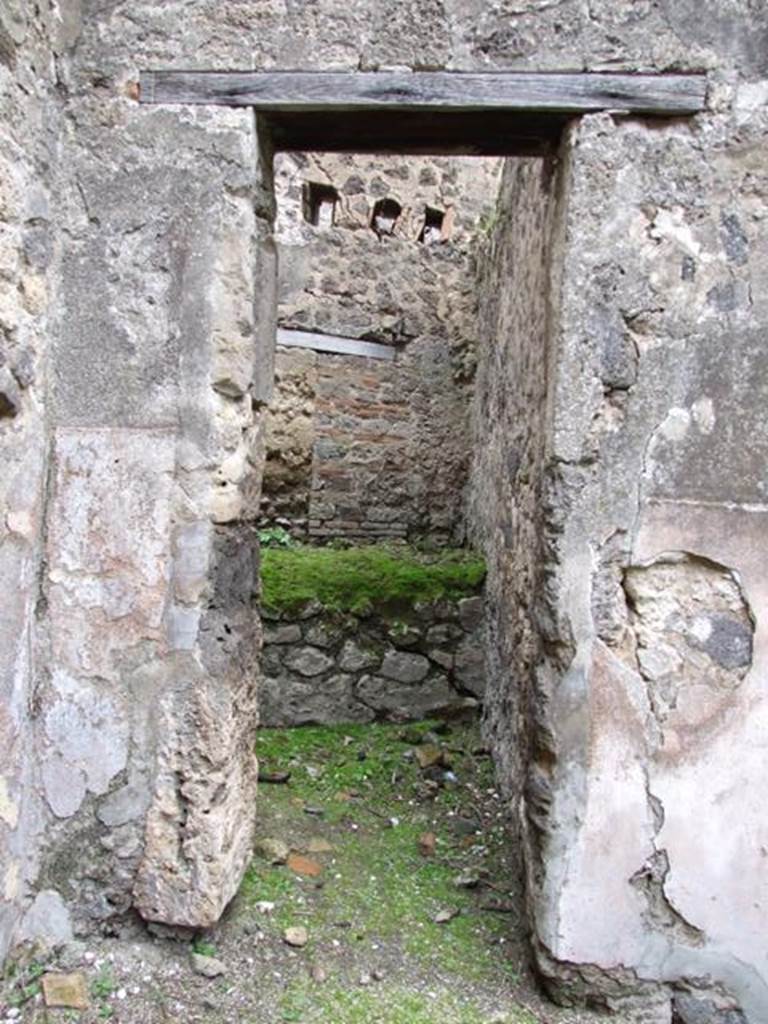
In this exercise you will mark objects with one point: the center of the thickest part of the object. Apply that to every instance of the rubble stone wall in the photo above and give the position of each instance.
(506, 499)
(647, 872)
(359, 447)
(411, 663)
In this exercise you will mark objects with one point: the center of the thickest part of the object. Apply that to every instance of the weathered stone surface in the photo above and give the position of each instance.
(619, 406)
(308, 661)
(693, 1009)
(443, 633)
(332, 468)
(274, 851)
(287, 633)
(353, 658)
(297, 936)
(471, 613)
(469, 664)
(47, 921)
(405, 700)
(288, 700)
(125, 804)
(299, 688)
(65, 990)
(208, 966)
(404, 667)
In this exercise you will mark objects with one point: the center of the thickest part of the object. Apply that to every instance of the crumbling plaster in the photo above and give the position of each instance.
(659, 457)
(657, 323)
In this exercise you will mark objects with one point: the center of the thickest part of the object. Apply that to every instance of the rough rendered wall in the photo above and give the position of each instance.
(146, 635)
(359, 447)
(647, 860)
(656, 833)
(28, 41)
(505, 496)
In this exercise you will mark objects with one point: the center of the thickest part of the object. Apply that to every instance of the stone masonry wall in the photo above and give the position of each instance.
(506, 499)
(322, 667)
(647, 869)
(146, 634)
(359, 447)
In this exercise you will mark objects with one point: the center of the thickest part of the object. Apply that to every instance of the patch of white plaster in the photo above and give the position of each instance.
(669, 225)
(9, 811)
(90, 733)
(183, 627)
(47, 920)
(21, 523)
(11, 884)
(703, 411)
(701, 628)
(64, 786)
(676, 424)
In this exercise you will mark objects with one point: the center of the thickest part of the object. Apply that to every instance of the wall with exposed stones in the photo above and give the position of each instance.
(657, 456)
(29, 44)
(133, 416)
(647, 872)
(358, 447)
(636, 478)
(505, 510)
(321, 667)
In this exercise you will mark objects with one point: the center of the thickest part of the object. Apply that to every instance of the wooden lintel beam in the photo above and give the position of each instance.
(436, 91)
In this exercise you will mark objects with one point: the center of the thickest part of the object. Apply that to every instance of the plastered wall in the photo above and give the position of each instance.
(132, 453)
(635, 471)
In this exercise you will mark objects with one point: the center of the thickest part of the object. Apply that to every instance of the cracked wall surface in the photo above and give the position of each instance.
(30, 44)
(150, 230)
(652, 826)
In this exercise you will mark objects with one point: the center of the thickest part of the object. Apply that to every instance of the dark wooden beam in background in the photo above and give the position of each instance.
(455, 133)
(435, 91)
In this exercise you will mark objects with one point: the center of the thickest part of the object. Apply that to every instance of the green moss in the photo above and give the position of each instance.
(376, 879)
(389, 1004)
(356, 579)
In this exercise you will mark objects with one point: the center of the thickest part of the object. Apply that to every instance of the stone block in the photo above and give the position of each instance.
(355, 658)
(308, 661)
(287, 633)
(469, 665)
(405, 700)
(286, 701)
(443, 633)
(404, 667)
(471, 612)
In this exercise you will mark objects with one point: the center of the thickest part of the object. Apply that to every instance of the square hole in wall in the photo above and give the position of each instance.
(319, 204)
(434, 221)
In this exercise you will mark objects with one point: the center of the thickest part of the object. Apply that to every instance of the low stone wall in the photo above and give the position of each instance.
(323, 667)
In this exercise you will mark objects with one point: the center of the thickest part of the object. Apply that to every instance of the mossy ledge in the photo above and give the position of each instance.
(360, 578)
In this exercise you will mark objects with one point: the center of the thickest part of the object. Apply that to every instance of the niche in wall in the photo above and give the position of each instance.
(319, 204)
